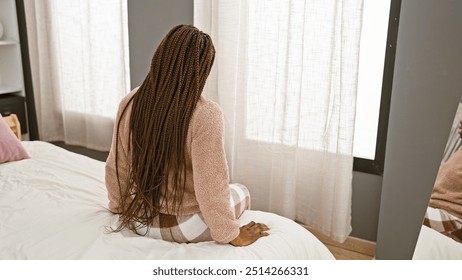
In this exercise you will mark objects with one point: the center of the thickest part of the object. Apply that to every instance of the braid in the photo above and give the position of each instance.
(161, 112)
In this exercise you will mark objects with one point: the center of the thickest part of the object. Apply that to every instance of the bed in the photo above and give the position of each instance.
(440, 236)
(53, 206)
(432, 245)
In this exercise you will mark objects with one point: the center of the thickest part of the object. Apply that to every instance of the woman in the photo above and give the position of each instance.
(166, 173)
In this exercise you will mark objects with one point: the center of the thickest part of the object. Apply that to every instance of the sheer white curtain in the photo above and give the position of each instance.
(286, 78)
(79, 61)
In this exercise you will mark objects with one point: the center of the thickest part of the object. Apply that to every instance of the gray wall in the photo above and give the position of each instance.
(426, 89)
(365, 206)
(148, 22)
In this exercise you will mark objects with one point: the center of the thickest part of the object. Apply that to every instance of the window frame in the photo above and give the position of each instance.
(376, 166)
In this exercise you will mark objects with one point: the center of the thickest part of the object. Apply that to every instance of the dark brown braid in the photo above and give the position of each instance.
(161, 111)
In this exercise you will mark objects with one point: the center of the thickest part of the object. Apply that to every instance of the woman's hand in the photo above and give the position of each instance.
(249, 234)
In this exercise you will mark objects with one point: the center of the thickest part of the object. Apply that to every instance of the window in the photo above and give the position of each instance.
(371, 60)
(301, 74)
(91, 54)
(377, 55)
(277, 93)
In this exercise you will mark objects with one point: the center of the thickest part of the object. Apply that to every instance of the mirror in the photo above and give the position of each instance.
(441, 233)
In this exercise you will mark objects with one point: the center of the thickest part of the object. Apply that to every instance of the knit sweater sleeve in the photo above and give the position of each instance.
(111, 180)
(210, 173)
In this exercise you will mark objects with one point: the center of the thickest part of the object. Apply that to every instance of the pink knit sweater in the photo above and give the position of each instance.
(207, 190)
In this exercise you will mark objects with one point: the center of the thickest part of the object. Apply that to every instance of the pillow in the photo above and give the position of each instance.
(11, 148)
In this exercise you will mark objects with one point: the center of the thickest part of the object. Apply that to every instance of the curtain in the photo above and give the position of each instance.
(286, 78)
(79, 64)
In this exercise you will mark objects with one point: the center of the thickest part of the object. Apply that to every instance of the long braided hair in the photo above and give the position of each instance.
(161, 111)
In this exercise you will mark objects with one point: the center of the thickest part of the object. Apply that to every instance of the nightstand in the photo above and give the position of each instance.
(14, 104)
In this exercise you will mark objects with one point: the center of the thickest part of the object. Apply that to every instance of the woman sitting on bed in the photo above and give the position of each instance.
(447, 197)
(166, 173)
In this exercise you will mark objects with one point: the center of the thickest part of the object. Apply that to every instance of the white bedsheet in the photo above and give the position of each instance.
(53, 206)
(432, 245)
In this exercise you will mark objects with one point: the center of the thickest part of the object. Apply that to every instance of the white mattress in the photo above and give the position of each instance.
(432, 245)
(53, 206)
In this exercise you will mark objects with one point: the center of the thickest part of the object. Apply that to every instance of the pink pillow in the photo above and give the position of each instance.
(11, 148)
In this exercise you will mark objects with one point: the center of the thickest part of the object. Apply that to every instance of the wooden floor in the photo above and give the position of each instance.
(352, 249)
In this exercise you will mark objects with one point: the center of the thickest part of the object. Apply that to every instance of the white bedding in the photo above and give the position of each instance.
(432, 245)
(53, 206)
